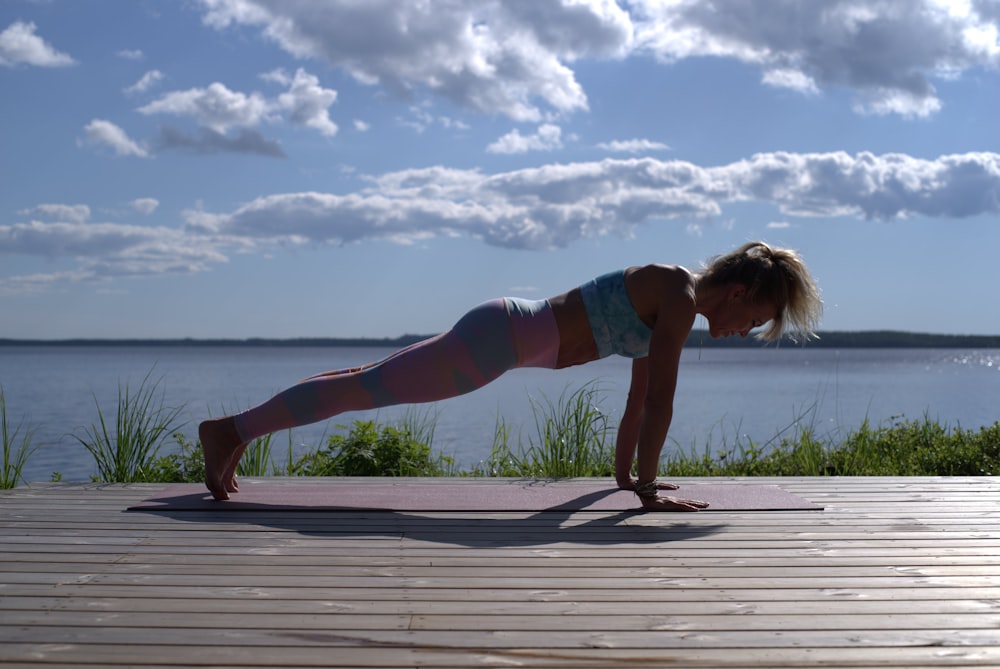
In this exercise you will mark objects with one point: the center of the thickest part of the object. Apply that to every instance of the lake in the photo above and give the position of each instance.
(722, 393)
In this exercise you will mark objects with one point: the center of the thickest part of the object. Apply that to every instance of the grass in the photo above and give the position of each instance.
(572, 437)
(899, 447)
(126, 451)
(18, 445)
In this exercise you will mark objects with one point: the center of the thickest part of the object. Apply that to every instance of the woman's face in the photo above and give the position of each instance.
(738, 317)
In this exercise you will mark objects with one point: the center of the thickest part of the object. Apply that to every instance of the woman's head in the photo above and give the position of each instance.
(771, 276)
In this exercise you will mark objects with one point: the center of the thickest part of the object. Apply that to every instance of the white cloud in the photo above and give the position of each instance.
(215, 107)
(307, 103)
(103, 251)
(108, 134)
(146, 82)
(546, 207)
(20, 45)
(789, 78)
(145, 205)
(490, 56)
(130, 54)
(76, 213)
(39, 283)
(420, 119)
(516, 58)
(361, 126)
(546, 138)
(887, 51)
(555, 205)
(218, 109)
(883, 103)
(633, 146)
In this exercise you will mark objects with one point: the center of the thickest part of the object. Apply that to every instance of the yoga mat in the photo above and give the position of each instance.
(443, 496)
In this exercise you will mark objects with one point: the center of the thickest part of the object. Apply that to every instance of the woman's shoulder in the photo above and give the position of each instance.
(661, 277)
(654, 288)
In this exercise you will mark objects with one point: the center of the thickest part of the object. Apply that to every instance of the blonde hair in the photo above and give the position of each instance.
(772, 276)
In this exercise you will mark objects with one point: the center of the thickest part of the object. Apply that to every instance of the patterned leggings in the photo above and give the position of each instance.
(493, 338)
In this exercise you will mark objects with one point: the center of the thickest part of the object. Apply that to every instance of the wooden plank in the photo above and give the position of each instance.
(141, 655)
(691, 620)
(237, 638)
(734, 610)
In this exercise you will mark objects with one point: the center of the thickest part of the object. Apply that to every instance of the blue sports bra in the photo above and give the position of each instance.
(616, 327)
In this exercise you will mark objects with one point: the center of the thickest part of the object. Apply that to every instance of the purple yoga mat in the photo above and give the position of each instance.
(444, 496)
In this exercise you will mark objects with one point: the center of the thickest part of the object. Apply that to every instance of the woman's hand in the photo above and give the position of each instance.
(660, 503)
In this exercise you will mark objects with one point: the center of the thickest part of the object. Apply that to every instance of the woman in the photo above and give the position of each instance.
(645, 313)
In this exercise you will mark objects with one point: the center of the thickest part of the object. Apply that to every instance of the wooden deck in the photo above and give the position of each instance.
(898, 572)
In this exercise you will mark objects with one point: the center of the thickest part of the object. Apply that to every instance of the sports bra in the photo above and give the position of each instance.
(616, 326)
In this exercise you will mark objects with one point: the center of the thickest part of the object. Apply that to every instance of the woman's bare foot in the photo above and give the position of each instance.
(220, 444)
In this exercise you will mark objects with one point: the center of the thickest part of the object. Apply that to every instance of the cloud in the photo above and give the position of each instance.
(147, 81)
(489, 56)
(633, 146)
(307, 103)
(105, 250)
(538, 208)
(420, 119)
(76, 213)
(517, 58)
(219, 109)
(145, 205)
(554, 206)
(106, 133)
(790, 78)
(20, 45)
(546, 138)
(130, 54)
(210, 142)
(887, 51)
(215, 107)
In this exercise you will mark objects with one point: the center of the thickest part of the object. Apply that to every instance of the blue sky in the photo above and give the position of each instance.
(264, 168)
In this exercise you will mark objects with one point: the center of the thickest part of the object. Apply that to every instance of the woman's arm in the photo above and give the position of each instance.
(658, 403)
(675, 309)
(628, 430)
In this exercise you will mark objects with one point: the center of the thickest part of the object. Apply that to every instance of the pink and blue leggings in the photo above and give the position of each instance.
(493, 338)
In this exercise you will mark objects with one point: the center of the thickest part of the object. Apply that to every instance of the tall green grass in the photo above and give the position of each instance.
(573, 437)
(126, 450)
(18, 445)
(899, 447)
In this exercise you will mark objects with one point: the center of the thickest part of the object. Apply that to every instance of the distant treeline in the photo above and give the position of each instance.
(698, 338)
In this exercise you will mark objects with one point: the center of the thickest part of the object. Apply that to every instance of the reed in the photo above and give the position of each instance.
(573, 437)
(899, 447)
(256, 460)
(18, 445)
(126, 451)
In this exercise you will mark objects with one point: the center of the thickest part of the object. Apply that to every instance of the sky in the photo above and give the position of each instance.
(374, 168)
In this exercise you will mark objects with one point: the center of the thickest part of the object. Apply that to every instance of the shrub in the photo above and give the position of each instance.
(373, 450)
